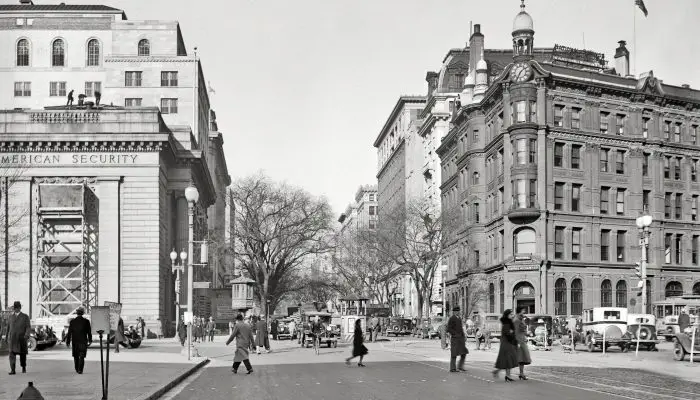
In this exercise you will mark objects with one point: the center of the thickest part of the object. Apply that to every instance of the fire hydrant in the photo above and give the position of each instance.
(30, 393)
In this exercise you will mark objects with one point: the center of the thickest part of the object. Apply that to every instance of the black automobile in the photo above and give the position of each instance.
(41, 337)
(399, 326)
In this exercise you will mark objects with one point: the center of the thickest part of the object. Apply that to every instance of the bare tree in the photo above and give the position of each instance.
(14, 232)
(277, 228)
(474, 283)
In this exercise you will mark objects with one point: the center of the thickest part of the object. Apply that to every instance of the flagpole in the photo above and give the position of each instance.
(634, 38)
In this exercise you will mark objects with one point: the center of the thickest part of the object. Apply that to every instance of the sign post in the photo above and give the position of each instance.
(100, 323)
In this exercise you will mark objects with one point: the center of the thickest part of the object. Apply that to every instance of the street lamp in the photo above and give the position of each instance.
(177, 269)
(643, 224)
(192, 195)
(444, 291)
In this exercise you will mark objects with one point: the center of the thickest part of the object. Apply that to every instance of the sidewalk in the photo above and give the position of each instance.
(134, 374)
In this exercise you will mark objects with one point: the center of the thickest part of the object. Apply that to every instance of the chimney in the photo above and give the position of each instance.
(685, 86)
(476, 45)
(432, 78)
(622, 59)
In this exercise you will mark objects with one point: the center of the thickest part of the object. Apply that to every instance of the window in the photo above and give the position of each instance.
(525, 241)
(144, 47)
(23, 89)
(645, 200)
(476, 213)
(679, 205)
(168, 106)
(620, 201)
(533, 151)
(620, 124)
(559, 242)
(168, 78)
(604, 119)
(372, 210)
(604, 198)
(132, 102)
(492, 298)
(694, 253)
(521, 151)
(620, 162)
(645, 164)
(694, 134)
(606, 293)
(694, 208)
(677, 133)
(477, 260)
(58, 53)
(576, 156)
(23, 53)
(576, 243)
(560, 297)
(668, 239)
(533, 192)
(604, 245)
(559, 154)
(132, 78)
(621, 294)
(533, 111)
(502, 295)
(558, 196)
(475, 136)
(621, 246)
(575, 197)
(558, 115)
(679, 249)
(520, 111)
(57, 89)
(667, 129)
(576, 297)
(575, 118)
(495, 248)
(475, 178)
(645, 127)
(372, 197)
(604, 160)
(92, 87)
(694, 170)
(677, 168)
(372, 224)
(674, 289)
(667, 167)
(93, 53)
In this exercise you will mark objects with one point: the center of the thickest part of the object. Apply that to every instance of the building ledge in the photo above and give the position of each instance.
(521, 215)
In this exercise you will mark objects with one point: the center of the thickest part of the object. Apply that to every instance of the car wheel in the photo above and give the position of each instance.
(678, 352)
(31, 344)
(591, 347)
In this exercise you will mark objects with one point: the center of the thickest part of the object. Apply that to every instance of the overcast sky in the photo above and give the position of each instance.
(303, 86)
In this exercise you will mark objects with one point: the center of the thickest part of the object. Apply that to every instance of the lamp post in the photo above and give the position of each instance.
(444, 291)
(177, 269)
(192, 195)
(643, 224)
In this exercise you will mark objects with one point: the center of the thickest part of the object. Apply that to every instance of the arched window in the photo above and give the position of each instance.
(621, 294)
(525, 241)
(144, 47)
(674, 289)
(93, 53)
(576, 297)
(23, 53)
(696, 289)
(560, 297)
(492, 298)
(606, 293)
(475, 178)
(502, 295)
(58, 53)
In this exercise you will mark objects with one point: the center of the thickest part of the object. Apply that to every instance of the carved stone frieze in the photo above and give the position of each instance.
(51, 117)
(73, 180)
(80, 146)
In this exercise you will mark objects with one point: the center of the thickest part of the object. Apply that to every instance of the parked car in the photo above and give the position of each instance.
(434, 329)
(605, 326)
(41, 337)
(683, 345)
(399, 326)
(537, 325)
(490, 322)
(641, 328)
(283, 332)
(668, 328)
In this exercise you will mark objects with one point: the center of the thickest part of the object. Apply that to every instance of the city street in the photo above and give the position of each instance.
(291, 372)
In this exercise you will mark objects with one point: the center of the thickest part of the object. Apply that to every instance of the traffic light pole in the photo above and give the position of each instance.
(643, 268)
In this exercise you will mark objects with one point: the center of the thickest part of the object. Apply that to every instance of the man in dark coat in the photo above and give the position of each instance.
(457, 341)
(119, 338)
(80, 333)
(210, 328)
(243, 335)
(274, 329)
(683, 320)
(19, 327)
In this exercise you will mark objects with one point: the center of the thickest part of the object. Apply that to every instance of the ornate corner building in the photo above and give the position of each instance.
(549, 164)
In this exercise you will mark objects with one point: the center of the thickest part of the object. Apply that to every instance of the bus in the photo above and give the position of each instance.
(674, 305)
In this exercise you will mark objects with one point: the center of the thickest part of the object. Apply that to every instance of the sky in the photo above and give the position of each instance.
(304, 86)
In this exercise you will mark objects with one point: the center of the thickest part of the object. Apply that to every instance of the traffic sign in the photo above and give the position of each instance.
(201, 285)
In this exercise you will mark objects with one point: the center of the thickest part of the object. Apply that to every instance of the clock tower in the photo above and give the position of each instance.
(523, 35)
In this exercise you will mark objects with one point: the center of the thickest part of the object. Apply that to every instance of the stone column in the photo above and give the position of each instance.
(109, 244)
(181, 232)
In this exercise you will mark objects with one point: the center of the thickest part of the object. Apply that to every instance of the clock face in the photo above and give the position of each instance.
(521, 72)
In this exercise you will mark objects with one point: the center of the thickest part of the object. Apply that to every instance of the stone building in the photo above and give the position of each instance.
(551, 162)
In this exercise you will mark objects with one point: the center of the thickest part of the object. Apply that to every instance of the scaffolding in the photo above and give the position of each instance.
(67, 250)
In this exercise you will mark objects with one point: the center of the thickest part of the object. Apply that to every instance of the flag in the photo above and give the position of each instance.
(640, 4)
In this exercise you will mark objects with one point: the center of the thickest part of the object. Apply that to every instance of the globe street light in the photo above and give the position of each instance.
(177, 269)
(444, 291)
(643, 223)
(192, 195)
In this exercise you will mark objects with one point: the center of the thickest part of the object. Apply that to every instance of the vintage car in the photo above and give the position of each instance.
(329, 333)
(133, 339)
(283, 331)
(539, 327)
(668, 328)
(492, 323)
(683, 344)
(41, 337)
(605, 326)
(641, 330)
(399, 326)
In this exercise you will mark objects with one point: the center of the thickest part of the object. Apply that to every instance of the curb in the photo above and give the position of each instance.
(163, 390)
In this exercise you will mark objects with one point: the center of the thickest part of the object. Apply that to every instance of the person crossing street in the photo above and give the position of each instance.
(457, 341)
(80, 333)
(19, 328)
(244, 340)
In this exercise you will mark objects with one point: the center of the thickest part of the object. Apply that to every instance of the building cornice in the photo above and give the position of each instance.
(403, 100)
(393, 154)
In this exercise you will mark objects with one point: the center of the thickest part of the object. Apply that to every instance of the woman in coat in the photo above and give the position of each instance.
(261, 335)
(508, 351)
(521, 336)
(244, 340)
(119, 338)
(182, 332)
(358, 347)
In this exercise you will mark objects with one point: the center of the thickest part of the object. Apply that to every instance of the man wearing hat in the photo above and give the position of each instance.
(80, 332)
(457, 341)
(17, 336)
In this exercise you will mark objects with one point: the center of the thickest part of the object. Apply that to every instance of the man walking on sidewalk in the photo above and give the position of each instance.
(457, 341)
(374, 322)
(80, 332)
(210, 329)
(244, 340)
(19, 328)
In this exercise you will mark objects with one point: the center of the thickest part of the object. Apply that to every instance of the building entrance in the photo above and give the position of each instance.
(524, 296)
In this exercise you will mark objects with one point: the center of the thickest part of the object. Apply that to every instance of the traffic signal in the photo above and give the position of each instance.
(640, 284)
(638, 269)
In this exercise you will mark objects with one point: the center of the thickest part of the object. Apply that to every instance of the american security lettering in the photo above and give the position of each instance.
(104, 158)
(28, 159)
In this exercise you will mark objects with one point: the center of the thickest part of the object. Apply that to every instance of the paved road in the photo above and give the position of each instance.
(291, 373)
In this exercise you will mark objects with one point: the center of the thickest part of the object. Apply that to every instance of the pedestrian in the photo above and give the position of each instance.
(210, 328)
(375, 327)
(521, 337)
(70, 98)
(683, 320)
(18, 331)
(119, 338)
(244, 339)
(457, 341)
(274, 329)
(292, 329)
(444, 340)
(98, 96)
(358, 347)
(80, 333)
(261, 335)
(507, 358)
(182, 332)
(143, 328)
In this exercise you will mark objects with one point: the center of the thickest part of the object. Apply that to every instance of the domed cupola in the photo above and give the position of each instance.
(523, 34)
